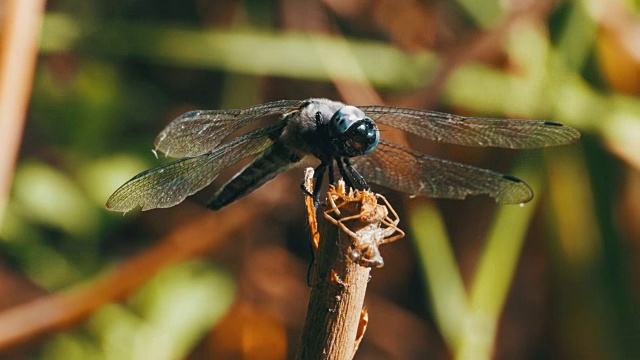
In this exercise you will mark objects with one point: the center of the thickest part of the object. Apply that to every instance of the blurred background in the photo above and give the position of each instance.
(557, 278)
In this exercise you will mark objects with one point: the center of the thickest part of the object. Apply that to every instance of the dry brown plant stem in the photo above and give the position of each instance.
(348, 247)
(338, 287)
(19, 33)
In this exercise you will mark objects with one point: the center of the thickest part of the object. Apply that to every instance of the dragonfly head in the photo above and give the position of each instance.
(353, 132)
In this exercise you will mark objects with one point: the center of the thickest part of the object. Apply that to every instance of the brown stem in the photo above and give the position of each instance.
(19, 32)
(336, 319)
(336, 302)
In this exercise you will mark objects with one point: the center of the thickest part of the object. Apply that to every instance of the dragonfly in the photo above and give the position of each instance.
(344, 138)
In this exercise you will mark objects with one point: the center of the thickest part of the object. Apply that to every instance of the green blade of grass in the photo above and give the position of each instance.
(446, 289)
(244, 51)
(468, 323)
(495, 272)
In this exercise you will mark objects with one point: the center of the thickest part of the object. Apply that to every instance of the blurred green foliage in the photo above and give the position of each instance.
(165, 319)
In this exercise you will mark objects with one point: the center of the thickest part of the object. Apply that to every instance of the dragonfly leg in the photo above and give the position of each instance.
(317, 182)
(346, 176)
(332, 175)
(348, 171)
(304, 189)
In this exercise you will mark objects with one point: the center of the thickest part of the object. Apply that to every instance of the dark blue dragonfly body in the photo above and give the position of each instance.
(340, 136)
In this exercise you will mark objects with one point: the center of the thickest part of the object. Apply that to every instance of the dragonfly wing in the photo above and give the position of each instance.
(170, 184)
(470, 131)
(199, 132)
(399, 168)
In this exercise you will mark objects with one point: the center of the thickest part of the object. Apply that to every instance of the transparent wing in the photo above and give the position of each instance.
(468, 131)
(170, 184)
(199, 132)
(399, 168)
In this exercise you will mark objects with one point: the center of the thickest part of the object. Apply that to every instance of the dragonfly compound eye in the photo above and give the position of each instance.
(353, 133)
(362, 137)
(344, 118)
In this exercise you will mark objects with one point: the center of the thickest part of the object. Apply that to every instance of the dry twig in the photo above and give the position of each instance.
(19, 32)
(336, 318)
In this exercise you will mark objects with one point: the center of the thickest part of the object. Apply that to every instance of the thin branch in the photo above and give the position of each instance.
(336, 318)
(20, 30)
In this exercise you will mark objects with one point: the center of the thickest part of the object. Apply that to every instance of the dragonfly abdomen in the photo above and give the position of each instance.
(277, 159)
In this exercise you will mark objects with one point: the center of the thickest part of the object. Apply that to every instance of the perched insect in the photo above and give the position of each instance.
(339, 135)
